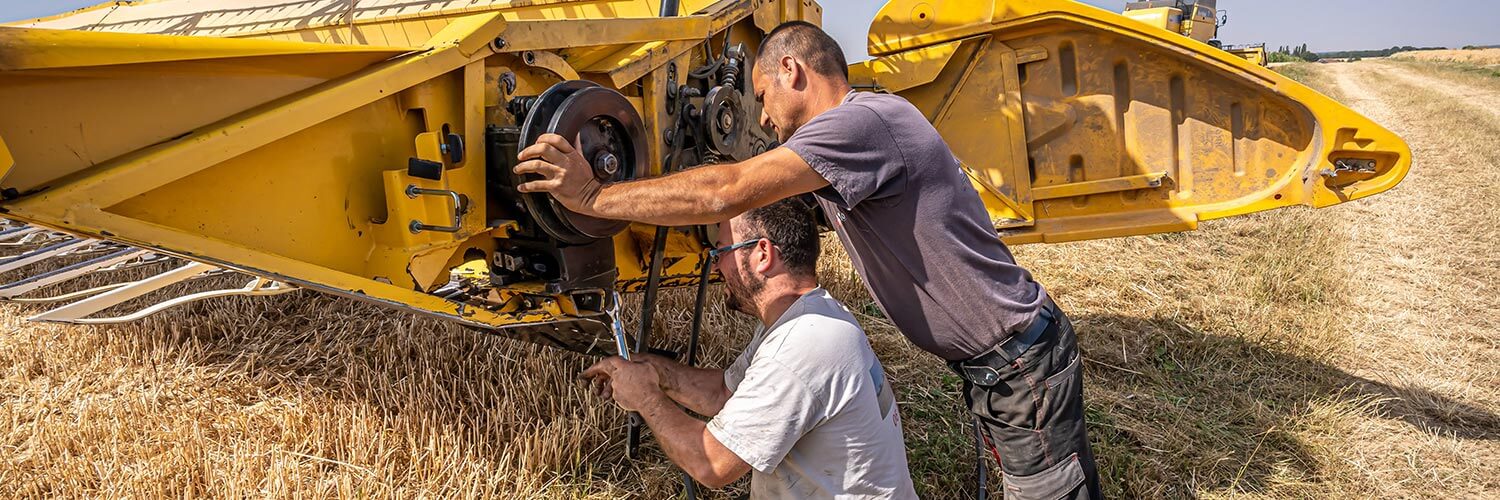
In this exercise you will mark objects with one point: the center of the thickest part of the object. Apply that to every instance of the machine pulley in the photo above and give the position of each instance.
(610, 134)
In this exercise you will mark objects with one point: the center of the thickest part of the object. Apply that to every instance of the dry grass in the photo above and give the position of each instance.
(1349, 352)
(1480, 57)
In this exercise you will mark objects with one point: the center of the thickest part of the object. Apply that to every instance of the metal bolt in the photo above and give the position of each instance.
(608, 163)
(499, 43)
(726, 120)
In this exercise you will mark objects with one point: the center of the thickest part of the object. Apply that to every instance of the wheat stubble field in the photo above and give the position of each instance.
(1347, 352)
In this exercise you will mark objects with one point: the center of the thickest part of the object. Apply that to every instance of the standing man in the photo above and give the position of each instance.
(915, 230)
(806, 405)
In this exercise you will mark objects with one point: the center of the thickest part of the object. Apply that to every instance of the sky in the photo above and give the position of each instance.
(1325, 25)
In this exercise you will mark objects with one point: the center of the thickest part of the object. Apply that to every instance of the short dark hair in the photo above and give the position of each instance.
(792, 226)
(807, 42)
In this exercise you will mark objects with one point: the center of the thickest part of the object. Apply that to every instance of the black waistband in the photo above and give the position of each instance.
(981, 369)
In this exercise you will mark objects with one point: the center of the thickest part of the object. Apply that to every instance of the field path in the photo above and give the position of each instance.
(1425, 269)
(1484, 99)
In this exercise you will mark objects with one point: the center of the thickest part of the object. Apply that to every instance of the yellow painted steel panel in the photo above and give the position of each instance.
(1115, 99)
(290, 160)
(29, 49)
(6, 160)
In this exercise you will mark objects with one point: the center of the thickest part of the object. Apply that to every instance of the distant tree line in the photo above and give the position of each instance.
(1300, 53)
(1376, 53)
(1297, 53)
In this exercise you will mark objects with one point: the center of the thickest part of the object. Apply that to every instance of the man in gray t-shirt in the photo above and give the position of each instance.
(916, 231)
(806, 406)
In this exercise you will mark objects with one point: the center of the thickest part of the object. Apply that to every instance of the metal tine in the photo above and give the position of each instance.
(16, 232)
(19, 261)
(71, 312)
(98, 246)
(68, 296)
(76, 312)
(13, 289)
(21, 235)
(258, 287)
(40, 236)
(146, 260)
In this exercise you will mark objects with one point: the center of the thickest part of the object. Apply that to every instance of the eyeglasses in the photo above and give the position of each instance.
(715, 253)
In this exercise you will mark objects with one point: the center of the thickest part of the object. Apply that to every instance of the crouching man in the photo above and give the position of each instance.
(806, 405)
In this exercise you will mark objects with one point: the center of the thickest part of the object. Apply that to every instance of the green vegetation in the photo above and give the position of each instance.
(1376, 53)
(1293, 54)
(1301, 53)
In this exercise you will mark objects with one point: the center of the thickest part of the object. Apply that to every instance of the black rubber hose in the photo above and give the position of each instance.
(653, 283)
(981, 469)
(690, 487)
(642, 342)
(692, 350)
(706, 72)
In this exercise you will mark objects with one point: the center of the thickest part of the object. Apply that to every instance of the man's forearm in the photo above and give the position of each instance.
(701, 390)
(697, 196)
(709, 194)
(688, 444)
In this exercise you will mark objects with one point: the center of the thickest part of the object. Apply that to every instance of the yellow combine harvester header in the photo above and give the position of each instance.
(1196, 19)
(365, 148)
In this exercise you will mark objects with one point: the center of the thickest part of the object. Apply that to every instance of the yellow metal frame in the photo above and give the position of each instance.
(6, 160)
(934, 53)
(78, 203)
(1256, 54)
(137, 196)
(285, 159)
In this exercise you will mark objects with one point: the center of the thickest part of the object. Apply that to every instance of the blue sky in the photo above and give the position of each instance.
(1325, 25)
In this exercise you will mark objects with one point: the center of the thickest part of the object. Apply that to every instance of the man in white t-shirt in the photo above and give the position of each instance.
(806, 406)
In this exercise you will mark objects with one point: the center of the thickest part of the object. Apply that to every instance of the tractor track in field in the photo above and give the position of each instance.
(1425, 275)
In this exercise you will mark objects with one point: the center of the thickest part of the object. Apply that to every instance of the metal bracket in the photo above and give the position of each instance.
(460, 207)
(551, 62)
(1350, 165)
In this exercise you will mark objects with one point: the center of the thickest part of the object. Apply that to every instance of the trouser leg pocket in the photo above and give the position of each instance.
(1034, 417)
(1061, 481)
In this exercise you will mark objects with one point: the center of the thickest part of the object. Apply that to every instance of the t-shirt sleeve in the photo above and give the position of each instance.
(736, 371)
(853, 148)
(770, 411)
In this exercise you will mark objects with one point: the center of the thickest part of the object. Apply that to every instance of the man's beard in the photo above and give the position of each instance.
(741, 292)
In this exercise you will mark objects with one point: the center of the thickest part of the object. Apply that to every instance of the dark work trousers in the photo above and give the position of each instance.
(1028, 397)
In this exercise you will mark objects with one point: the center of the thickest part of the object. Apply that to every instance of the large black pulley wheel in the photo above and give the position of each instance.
(608, 131)
(726, 122)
